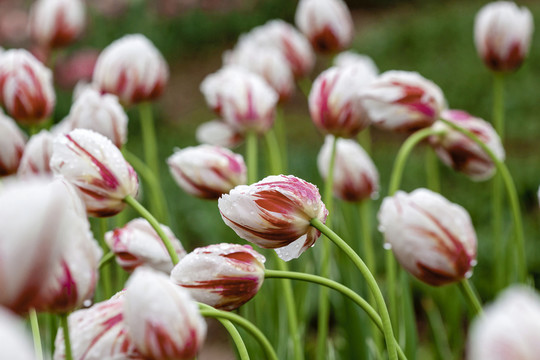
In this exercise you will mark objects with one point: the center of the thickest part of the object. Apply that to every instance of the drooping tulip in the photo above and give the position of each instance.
(275, 213)
(334, 103)
(224, 276)
(132, 69)
(355, 176)
(461, 153)
(26, 88)
(137, 244)
(402, 101)
(97, 168)
(16, 343)
(37, 155)
(326, 23)
(431, 237)
(502, 35)
(207, 171)
(508, 329)
(218, 133)
(162, 318)
(12, 144)
(101, 113)
(243, 99)
(56, 23)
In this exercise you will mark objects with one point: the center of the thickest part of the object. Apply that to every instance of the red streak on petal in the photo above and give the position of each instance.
(107, 325)
(167, 348)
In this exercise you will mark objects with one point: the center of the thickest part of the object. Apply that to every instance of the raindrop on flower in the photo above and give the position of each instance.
(387, 246)
(468, 274)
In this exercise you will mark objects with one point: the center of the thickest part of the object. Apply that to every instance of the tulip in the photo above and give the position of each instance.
(241, 98)
(431, 238)
(275, 213)
(402, 101)
(97, 168)
(461, 153)
(355, 175)
(98, 333)
(349, 58)
(56, 23)
(218, 133)
(37, 155)
(132, 69)
(79, 66)
(334, 104)
(26, 88)
(162, 319)
(137, 244)
(101, 113)
(509, 329)
(224, 276)
(15, 344)
(12, 143)
(502, 34)
(207, 171)
(326, 23)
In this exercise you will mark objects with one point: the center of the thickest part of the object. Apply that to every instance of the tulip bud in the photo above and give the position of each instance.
(355, 175)
(349, 58)
(26, 88)
(98, 332)
(326, 23)
(334, 104)
(101, 113)
(162, 318)
(402, 101)
(224, 276)
(241, 98)
(132, 69)
(56, 23)
(207, 171)
(509, 329)
(502, 34)
(16, 343)
(12, 143)
(137, 244)
(97, 168)
(461, 153)
(275, 213)
(37, 155)
(218, 133)
(431, 238)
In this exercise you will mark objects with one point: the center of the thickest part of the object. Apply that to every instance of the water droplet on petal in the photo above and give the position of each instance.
(387, 246)
(468, 274)
(381, 228)
(473, 262)
(374, 195)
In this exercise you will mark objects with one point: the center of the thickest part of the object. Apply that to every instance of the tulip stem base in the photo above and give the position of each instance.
(252, 157)
(237, 339)
(35, 334)
(67, 340)
(470, 296)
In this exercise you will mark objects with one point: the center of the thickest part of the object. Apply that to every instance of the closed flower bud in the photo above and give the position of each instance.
(37, 155)
(402, 101)
(207, 171)
(508, 329)
(349, 58)
(431, 238)
(461, 153)
(275, 213)
(12, 143)
(101, 113)
(132, 69)
(334, 103)
(16, 343)
(137, 244)
(243, 99)
(162, 318)
(98, 333)
(218, 133)
(56, 23)
(26, 88)
(224, 276)
(355, 175)
(502, 34)
(326, 23)
(97, 168)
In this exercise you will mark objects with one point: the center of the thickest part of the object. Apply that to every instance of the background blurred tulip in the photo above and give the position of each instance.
(16, 343)
(224, 276)
(12, 144)
(218, 133)
(132, 69)
(502, 35)
(275, 213)
(78, 66)
(162, 319)
(137, 243)
(432, 238)
(37, 155)
(207, 171)
(97, 168)
(350, 58)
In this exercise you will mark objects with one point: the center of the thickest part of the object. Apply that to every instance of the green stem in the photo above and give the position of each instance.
(237, 338)
(440, 336)
(512, 196)
(149, 137)
(105, 275)
(281, 133)
(470, 296)
(157, 227)
(432, 171)
(65, 330)
(35, 334)
(251, 155)
(381, 306)
(209, 311)
(364, 138)
(305, 85)
(498, 104)
(273, 152)
(106, 259)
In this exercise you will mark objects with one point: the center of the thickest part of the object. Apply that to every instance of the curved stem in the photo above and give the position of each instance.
(381, 305)
(65, 330)
(237, 338)
(35, 334)
(106, 259)
(251, 155)
(209, 311)
(470, 296)
(130, 200)
(105, 275)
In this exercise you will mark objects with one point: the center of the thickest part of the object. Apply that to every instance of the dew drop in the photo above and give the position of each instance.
(468, 274)
(473, 262)
(381, 228)
(87, 303)
(387, 246)
(374, 195)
